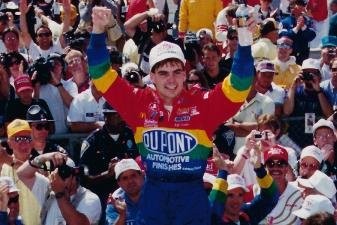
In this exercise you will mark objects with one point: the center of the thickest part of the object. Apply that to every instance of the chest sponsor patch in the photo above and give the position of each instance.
(170, 143)
(182, 118)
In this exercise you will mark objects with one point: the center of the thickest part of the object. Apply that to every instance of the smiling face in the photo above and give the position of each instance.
(234, 201)
(169, 80)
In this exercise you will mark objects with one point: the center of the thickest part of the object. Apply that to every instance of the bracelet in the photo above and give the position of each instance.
(32, 165)
(59, 85)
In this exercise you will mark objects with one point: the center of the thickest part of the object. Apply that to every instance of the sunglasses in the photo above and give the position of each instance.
(15, 61)
(284, 46)
(45, 34)
(20, 139)
(192, 81)
(41, 126)
(310, 166)
(277, 163)
(13, 200)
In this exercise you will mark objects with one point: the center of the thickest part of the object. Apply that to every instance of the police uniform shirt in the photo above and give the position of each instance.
(50, 147)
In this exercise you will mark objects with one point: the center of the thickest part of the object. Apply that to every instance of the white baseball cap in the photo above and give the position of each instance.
(124, 165)
(312, 151)
(321, 182)
(165, 50)
(314, 204)
(311, 64)
(208, 178)
(323, 123)
(9, 181)
(236, 181)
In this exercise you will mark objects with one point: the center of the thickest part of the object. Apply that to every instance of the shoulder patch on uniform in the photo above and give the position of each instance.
(85, 145)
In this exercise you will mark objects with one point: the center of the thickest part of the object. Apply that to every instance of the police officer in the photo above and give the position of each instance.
(41, 124)
(99, 150)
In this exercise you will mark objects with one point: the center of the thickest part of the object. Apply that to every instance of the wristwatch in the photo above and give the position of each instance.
(59, 85)
(59, 195)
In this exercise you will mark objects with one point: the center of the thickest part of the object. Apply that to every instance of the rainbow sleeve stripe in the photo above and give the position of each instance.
(99, 63)
(219, 191)
(237, 85)
(268, 185)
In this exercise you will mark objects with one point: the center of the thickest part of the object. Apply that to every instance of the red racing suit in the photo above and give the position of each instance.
(173, 146)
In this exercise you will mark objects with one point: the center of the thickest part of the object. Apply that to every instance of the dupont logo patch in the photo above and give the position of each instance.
(169, 142)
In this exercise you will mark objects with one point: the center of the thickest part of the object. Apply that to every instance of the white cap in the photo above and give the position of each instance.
(165, 50)
(9, 181)
(314, 204)
(321, 182)
(323, 123)
(311, 64)
(208, 178)
(312, 151)
(236, 181)
(124, 165)
(206, 31)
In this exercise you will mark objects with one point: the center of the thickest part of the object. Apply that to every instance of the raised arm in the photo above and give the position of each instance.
(23, 23)
(66, 21)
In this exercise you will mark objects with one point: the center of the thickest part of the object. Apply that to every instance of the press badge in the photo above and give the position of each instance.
(309, 122)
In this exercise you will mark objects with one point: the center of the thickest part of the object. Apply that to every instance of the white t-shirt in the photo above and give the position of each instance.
(85, 108)
(90, 206)
(35, 51)
(277, 94)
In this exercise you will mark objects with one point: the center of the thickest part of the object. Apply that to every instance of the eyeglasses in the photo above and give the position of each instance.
(327, 136)
(41, 126)
(75, 60)
(284, 46)
(277, 163)
(13, 200)
(310, 166)
(44, 34)
(192, 81)
(20, 139)
(13, 38)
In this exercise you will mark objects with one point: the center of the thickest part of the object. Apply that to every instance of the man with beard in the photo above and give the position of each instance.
(306, 99)
(113, 140)
(276, 161)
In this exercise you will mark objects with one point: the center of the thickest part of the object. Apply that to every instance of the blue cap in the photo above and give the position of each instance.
(329, 41)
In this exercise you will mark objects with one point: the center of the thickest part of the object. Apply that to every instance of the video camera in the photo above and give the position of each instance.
(307, 76)
(76, 40)
(42, 67)
(157, 27)
(65, 171)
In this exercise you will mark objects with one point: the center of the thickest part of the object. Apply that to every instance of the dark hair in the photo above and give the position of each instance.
(201, 76)
(212, 47)
(322, 218)
(44, 27)
(9, 30)
(268, 120)
(14, 55)
(231, 10)
(167, 61)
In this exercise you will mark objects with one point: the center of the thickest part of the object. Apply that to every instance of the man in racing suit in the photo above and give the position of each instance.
(173, 127)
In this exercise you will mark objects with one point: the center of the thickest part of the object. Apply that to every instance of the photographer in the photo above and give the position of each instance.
(305, 98)
(47, 77)
(328, 52)
(62, 199)
(147, 29)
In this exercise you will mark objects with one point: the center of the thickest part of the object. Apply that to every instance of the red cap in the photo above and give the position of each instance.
(277, 152)
(23, 83)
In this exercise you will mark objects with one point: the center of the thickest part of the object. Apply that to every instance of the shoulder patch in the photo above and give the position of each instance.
(85, 145)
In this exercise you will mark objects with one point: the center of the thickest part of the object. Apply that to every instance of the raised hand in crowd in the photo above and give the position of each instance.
(101, 16)
(221, 162)
(4, 189)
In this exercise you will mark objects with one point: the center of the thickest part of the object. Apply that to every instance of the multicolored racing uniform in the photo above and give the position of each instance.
(174, 145)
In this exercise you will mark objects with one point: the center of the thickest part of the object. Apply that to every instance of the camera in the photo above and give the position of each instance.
(132, 76)
(65, 171)
(76, 40)
(42, 68)
(307, 76)
(261, 136)
(332, 51)
(156, 27)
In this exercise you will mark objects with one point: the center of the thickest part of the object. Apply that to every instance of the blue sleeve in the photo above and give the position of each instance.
(217, 196)
(3, 218)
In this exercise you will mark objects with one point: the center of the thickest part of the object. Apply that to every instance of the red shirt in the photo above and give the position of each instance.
(319, 9)
(135, 7)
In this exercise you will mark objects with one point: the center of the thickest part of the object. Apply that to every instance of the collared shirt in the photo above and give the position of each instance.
(330, 92)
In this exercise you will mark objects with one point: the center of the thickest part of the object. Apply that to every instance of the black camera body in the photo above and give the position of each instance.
(132, 76)
(42, 67)
(156, 27)
(66, 171)
(332, 52)
(307, 76)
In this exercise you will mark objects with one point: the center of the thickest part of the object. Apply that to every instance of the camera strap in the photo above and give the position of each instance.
(50, 198)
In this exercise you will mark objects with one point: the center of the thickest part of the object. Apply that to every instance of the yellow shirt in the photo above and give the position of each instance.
(197, 14)
(29, 206)
(285, 73)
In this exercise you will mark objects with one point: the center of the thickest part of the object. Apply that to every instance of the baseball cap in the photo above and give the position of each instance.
(268, 25)
(311, 64)
(314, 204)
(323, 123)
(321, 182)
(36, 113)
(17, 126)
(22, 83)
(124, 165)
(165, 50)
(328, 41)
(312, 151)
(276, 151)
(265, 66)
(284, 42)
(107, 108)
(203, 32)
(301, 2)
(236, 181)
(11, 185)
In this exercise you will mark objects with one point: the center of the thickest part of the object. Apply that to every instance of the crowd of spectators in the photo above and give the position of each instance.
(276, 157)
